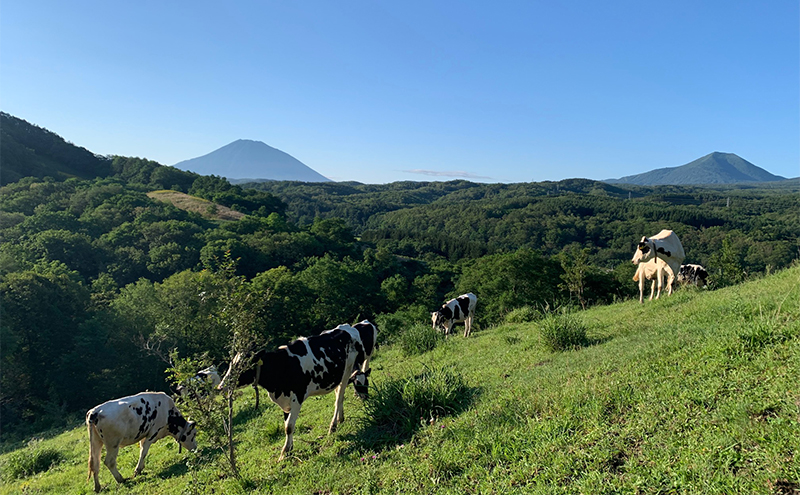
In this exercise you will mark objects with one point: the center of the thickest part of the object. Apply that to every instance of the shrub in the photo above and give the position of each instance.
(397, 408)
(563, 332)
(524, 314)
(30, 460)
(419, 339)
(392, 325)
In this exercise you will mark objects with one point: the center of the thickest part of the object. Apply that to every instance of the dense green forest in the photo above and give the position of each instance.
(99, 282)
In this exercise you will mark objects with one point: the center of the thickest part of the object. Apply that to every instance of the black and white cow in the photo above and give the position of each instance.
(454, 311)
(309, 366)
(145, 418)
(208, 375)
(665, 246)
(693, 274)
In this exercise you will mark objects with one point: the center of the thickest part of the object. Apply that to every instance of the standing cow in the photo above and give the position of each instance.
(455, 311)
(310, 366)
(145, 418)
(664, 246)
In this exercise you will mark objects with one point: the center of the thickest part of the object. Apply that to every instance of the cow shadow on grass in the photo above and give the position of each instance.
(398, 408)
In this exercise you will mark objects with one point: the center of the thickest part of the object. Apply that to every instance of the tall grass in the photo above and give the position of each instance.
(34, 458)
(399, 407)
(562, 332)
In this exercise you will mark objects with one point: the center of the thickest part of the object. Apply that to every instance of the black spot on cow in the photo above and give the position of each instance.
(463, 305)
(298, 347)
(446, 313)
(138, 410)
(175, 423)
(664, 252)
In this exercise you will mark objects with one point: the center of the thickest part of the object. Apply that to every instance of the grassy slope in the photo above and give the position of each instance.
(197, 205)
(696, 393)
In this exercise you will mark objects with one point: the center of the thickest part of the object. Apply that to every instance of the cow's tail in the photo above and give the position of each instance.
(94, 451)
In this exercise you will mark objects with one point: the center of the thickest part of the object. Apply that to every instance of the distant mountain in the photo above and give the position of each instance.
(251, 159)
(28, 150)
(714, 168)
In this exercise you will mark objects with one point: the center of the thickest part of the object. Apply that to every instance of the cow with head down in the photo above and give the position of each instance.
(309, 366)
(664, 246)
(693, 274)
(144, 418)
(455, 311)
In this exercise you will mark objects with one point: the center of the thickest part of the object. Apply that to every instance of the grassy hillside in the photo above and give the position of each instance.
(202, 206)
(696, 393)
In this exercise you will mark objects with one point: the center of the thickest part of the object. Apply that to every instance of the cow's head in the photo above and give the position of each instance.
(246, 364)
(360, 381)
(438, 319)
(184, 432)
(187, 436)
(644, 252)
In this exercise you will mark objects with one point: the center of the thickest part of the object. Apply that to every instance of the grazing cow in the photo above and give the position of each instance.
(454, 311)
(649, 271)
(145, 418)
(310, 366)
(665, 246)
(693, 274)
(209, 375)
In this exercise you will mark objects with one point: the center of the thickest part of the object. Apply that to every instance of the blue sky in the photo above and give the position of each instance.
(379, 91)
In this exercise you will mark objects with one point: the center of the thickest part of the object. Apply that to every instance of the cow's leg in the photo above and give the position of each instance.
(660, 280)
(338, 411)
(144, 446)
(289, 421)
(467, 326)
(111, 462)
(670, 279)
(641, 290)
(448, 327)
(96, 446)
(652, 290)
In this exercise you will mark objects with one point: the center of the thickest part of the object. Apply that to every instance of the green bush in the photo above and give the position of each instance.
(392, 325)
(419, 339)
(397, 408)
(30, 460)
(523, 314)
(563, 332)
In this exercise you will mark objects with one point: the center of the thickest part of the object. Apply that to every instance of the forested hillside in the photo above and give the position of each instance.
(100, 282)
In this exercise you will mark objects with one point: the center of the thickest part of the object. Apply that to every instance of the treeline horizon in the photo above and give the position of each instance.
(99, 282)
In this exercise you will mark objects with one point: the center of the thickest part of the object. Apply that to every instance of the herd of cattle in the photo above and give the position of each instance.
(317, 365)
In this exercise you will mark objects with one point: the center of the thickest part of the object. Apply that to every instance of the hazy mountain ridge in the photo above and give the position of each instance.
(254, 160)
(714, 168)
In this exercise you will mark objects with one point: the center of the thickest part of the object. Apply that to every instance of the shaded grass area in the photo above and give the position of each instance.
(695, 393)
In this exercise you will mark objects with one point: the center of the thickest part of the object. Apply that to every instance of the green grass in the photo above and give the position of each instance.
(695, 393)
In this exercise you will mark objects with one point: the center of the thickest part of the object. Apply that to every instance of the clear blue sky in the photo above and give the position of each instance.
(379, 91)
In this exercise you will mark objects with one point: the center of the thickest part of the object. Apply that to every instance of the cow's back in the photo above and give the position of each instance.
(131, 418)
(669, 240)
